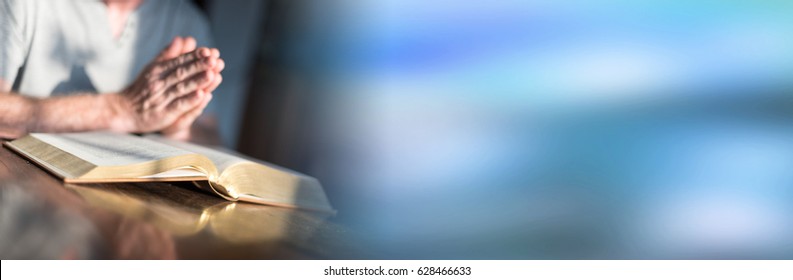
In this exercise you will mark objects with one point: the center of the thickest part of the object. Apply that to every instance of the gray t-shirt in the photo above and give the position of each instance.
(57, 47)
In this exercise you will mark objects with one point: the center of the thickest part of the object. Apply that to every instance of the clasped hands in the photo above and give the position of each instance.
(171, 92)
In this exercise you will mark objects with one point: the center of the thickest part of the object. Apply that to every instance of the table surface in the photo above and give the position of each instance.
(42, 217)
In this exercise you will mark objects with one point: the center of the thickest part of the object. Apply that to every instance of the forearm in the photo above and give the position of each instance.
(20, 115)
(174, 84)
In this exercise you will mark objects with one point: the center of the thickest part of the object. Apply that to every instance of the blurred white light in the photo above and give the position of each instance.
(716, 222)
(612, 69)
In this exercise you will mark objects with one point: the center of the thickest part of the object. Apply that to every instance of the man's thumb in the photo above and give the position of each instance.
(173, 50)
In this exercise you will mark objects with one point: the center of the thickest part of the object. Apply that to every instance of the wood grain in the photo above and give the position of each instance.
(155, 221)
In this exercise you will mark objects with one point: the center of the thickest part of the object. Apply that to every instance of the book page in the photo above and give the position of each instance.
(251, 180)
(110, 149)
(222, 160)
(176, 174)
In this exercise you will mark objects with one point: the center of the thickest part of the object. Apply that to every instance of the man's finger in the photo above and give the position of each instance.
(186, 72)
(186, 102)
(189, 44)
(186, 120)
(215, 83)
(195, 82)
(219, 66)
(218, 77)
(180, 129)
(173, 49)
(165, 68)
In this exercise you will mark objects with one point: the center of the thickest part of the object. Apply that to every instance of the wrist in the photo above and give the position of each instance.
(120, 113)
(31, 108)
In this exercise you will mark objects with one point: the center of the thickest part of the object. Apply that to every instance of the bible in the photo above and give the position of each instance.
(106, 157)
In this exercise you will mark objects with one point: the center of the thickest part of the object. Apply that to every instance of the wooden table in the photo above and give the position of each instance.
(41, 217)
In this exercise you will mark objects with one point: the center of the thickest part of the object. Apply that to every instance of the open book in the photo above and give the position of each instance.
(102, 157)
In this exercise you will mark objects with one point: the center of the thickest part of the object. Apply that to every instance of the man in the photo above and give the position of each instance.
(55, 55)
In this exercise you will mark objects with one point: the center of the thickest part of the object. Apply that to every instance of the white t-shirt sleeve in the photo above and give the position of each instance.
(14, 16)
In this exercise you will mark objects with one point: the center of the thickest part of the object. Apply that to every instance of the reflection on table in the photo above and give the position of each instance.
(44, 218)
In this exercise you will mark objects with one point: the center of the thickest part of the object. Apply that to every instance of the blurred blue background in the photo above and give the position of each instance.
(555, 129)
(505, 129)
